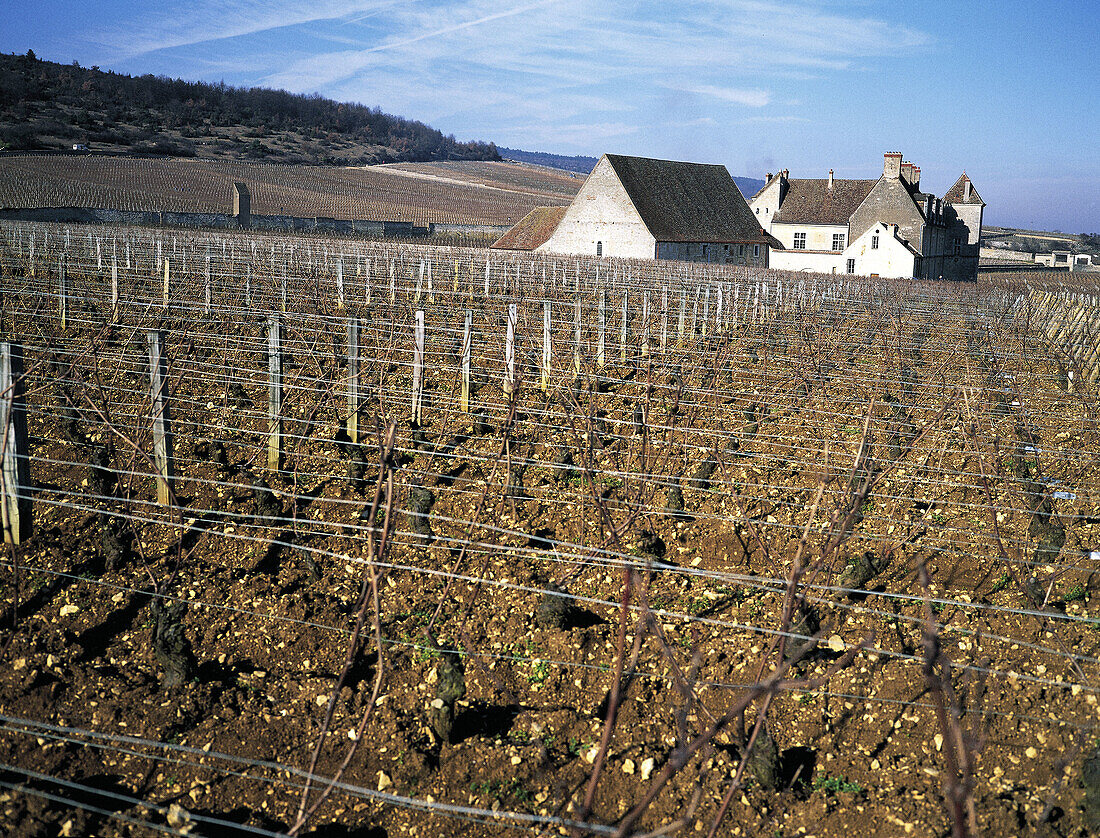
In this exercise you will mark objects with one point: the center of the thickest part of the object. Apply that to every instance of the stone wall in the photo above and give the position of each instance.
(225, 221)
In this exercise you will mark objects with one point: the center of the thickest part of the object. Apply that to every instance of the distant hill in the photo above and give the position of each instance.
(749, 186)
(580, 164)
(49, 106)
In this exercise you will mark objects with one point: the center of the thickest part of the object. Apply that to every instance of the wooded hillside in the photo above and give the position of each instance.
(44, 105)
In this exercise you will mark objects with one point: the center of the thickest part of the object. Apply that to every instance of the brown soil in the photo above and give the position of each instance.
(270, 604)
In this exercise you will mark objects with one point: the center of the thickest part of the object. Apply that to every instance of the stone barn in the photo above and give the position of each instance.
(641, 208)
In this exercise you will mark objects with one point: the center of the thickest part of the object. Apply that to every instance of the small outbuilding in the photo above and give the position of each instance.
(532, 231)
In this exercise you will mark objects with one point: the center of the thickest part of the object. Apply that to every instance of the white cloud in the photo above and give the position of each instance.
(753, 98)
(168, 25)
(567, 71)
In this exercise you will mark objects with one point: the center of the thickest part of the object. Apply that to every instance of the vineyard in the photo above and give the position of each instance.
(315, 537)
(465, 193)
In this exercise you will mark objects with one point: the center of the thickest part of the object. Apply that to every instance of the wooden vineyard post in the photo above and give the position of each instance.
(393, 284)
(601, 331)
(431, 289)
(274, 394)
(167, 273)
(418, 371)
(510, 351)
(354, 403)
(625, 327)
(683, 314)
(62, 293)
(706, 309)
(114, 284)
(282, 289)
(664, 317)
(577, 340)
(162, 422)
(15, 481)
(206, 307)
(248, 286)
(718, 326)
(645, 323)
(466, 352)
(340, 287)
(454, 288)
(419, 283)
(487, 270)
(545, 346)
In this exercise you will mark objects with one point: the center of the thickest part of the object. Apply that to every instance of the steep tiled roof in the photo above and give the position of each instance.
(686, 202)
(955, 193)
(811, 201)
(532, 230)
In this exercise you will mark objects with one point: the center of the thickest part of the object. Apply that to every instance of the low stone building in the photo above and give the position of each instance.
(532, 231)
(823, 224)
(641, 208)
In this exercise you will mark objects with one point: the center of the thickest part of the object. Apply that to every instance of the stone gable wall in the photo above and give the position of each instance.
(602, 212)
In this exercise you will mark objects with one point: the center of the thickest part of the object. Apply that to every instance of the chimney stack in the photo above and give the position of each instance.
(891, 164)
(916, 177)
(907, 171)
(830, 178)
(768, 178)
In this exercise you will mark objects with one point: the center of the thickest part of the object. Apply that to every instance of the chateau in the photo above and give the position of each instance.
(876, 227)
(640, 208)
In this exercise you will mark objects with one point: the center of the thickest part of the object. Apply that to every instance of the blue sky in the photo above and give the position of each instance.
(1007, 91)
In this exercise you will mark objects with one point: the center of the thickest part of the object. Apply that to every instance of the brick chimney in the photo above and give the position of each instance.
(916, 177)
(907, 171)
(891, 164)
(830, 178)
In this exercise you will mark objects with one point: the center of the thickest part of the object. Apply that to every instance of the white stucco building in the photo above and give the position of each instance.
(875, 227)
(641, 208)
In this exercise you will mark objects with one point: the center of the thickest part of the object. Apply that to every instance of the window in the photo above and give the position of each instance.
(705, 259)
(838, 241)
(756, 250)
(799, 241)
(599, 248)
(851, 266)
(740, 250)
(726, 250)
(874, 242)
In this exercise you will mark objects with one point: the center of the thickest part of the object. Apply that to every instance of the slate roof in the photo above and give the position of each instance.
(532, 230)
(955, 193)
(686, 202)
(811, 201)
